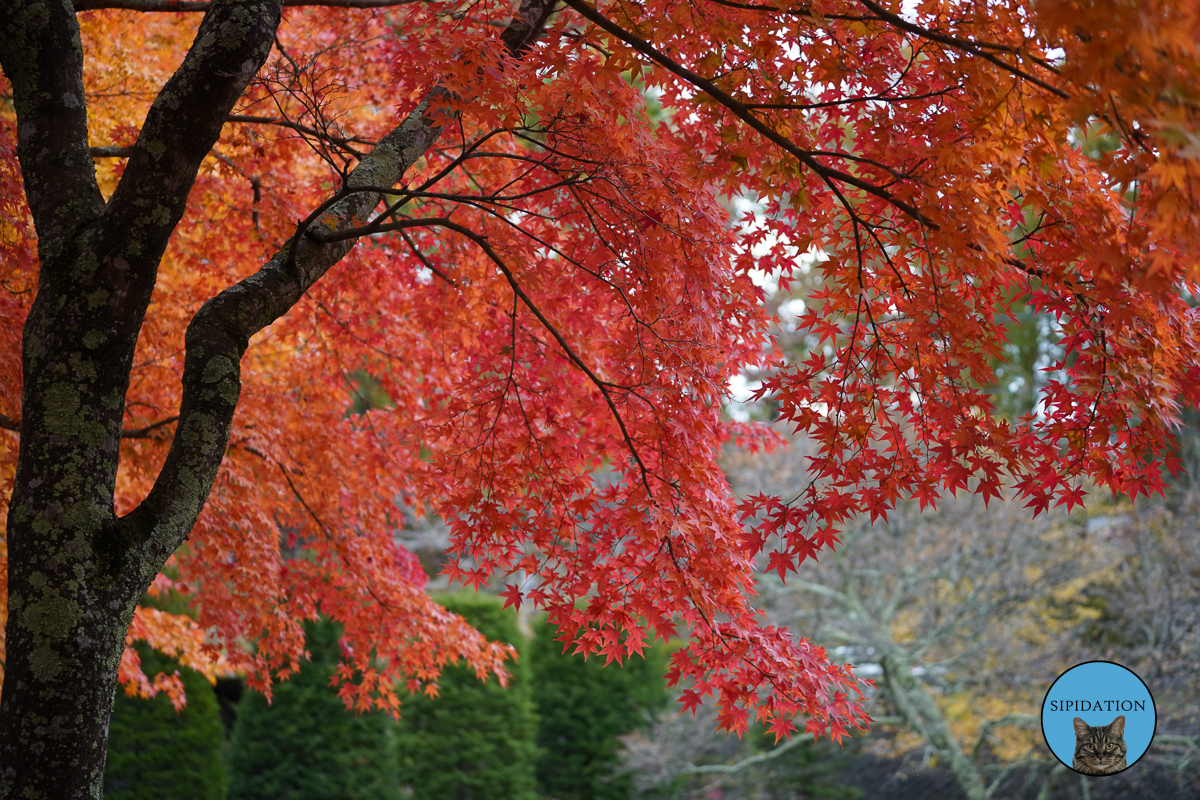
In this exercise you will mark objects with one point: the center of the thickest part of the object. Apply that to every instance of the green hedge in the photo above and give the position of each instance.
(155, 753)
(475, 741)
(305, 745)
(583, 708)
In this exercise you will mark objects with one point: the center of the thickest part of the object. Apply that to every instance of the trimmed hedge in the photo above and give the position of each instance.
(155, 753)
(475, 741)
(305, 745)
(583, 707)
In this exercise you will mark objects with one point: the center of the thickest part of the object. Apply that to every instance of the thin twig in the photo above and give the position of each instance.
(10, 424)
(827, 174)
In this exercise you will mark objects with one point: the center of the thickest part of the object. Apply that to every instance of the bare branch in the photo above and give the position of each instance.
(342, 141)
(111, 151)
(727, 769)
(116, 151)
(425, 262)
(985, 731)
(965, 45)
(9, 424)
(144, 431)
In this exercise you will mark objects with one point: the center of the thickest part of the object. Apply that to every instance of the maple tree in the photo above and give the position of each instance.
(237, 206)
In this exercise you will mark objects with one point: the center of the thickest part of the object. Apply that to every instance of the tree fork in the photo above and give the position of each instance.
(76, 571)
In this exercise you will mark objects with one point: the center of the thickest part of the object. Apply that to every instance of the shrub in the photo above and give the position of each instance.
(476, 740)
(305, 745)
(155, 753)
(583, 707)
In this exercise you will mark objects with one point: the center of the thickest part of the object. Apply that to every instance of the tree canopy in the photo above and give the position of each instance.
(516, 221)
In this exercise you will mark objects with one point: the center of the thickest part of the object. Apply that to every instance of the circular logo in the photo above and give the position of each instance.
(1098, 718)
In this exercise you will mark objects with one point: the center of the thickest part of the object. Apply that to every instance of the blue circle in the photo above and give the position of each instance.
(1098, 692)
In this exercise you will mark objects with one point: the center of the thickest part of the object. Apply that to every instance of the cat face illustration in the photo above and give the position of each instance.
(1099, 749)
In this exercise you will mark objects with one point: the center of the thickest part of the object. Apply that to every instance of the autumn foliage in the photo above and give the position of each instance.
(556, 300)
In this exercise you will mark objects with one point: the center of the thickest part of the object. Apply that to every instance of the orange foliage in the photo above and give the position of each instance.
(597, 332)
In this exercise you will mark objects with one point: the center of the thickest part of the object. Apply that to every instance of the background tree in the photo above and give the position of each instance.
(304, 744)
(964, 615)
(681, 757)
(159, 752)
(583, 707)
(475, 739)
(952, 609)
(546, 283)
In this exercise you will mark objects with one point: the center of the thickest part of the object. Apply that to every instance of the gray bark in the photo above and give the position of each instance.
(922, 713)
(76, 571)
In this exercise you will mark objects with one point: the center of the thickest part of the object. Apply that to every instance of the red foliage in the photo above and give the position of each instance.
(557, 395)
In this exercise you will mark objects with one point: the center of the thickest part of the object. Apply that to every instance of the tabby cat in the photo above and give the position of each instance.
(1099, 750)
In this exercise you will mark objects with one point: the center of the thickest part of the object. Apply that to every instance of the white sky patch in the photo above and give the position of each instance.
(792, 309)
(740, 392)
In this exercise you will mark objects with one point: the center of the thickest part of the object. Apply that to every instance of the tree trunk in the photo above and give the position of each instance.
(65, 637)
(76, 571)
(923, 714)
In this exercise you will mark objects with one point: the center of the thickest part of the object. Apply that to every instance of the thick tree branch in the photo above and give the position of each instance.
(97, 272)
(923, 714)
(828, 174)
(220, 332)
(42, 56)
(526, 25)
